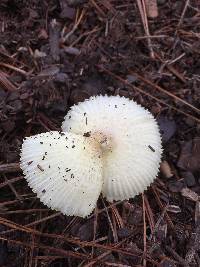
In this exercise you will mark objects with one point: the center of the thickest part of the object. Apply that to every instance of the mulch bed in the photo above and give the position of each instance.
(56, 53)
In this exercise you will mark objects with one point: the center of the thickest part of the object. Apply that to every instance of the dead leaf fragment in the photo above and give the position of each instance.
(165, 169)
(188, 193)
(173, 208)
(189, 178)
(176, 186)
(167, 128)
(190, 156)
(197, 213)
(152, 8)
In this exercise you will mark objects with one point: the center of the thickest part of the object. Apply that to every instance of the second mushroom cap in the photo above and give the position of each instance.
(132, 142)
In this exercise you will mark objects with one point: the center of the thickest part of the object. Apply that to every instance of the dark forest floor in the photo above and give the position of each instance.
(52, 56)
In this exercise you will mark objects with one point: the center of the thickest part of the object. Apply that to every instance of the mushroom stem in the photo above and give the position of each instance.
(103, 140)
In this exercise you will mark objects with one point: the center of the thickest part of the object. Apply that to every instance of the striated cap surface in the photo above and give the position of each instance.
(131, 162)
(64, 170)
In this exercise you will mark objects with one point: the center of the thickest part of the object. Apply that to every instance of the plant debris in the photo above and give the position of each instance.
(54, 54)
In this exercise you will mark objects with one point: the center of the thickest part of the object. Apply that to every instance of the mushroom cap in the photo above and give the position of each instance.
(132, 161)
(64, 170)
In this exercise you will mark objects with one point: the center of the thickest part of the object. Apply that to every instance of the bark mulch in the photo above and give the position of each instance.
(56, 53)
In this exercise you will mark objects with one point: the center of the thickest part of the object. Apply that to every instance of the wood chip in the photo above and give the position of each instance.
(165, 169)
(151, 8)
(188, 193)
(173, 208)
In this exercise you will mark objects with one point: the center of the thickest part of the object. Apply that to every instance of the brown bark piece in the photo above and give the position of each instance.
(151, 8)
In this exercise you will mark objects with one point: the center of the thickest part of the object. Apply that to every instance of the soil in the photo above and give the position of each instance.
(56, 53)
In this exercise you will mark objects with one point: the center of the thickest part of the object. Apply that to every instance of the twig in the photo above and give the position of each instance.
(104, 209)
(145, 230)
(48, 257)
(31, 250)
(9, 167)
(183, 13)
(54, 38)
(96, 29)
(157, 225)
(23, 72)
(11, 202)
(75, 241)
(11, 181)
(55, 250)
(142, 9)
(101, 256)
(149, 213)
(107, 263)
(6, 83)
(95, 227)
(171, 68)
(110, 222)
(34, 223)
(157, 87)
(24, 211)
(170, 223)
(66, 37)
(133, 87)
(108, 5)
(105, 254)
(151, 36)
(12, 188)
(118, 217)
(46, 122)
(98, 8)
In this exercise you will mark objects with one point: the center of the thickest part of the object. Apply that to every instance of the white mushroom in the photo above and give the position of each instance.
(64, 170)
(130, 141)
(108, 144)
